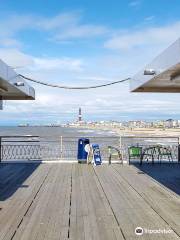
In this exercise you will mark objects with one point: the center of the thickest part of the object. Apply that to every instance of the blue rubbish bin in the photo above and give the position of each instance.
(82, 154)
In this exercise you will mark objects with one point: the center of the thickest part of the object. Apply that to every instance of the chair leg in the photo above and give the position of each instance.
(110, 159)
(152, 159)
(170, 158)
(120, 157)
(159, 158)
(141, 158)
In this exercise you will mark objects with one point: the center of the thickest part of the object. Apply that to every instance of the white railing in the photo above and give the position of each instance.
(65, 148)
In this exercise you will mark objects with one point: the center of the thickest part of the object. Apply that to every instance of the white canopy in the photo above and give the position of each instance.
(162, 74)
(12, 86)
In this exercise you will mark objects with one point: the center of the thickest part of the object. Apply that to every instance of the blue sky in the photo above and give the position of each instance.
(84, 43)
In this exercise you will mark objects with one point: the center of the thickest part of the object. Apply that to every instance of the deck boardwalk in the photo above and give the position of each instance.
(79, 201)
(164, 203)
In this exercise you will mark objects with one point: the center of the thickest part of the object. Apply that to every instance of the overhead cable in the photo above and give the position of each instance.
(70, 87)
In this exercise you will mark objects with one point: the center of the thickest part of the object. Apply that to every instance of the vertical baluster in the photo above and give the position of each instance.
(179, 150)
(61, 146)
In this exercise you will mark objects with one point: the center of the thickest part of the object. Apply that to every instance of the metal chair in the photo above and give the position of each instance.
(148, 152)
(114, 152)
(164, 152)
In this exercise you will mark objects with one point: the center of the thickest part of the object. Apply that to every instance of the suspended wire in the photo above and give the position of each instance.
(69, 87)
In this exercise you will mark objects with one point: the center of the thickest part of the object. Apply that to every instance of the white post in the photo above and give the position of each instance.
(120, 142)
(61, 146)
(120, 146)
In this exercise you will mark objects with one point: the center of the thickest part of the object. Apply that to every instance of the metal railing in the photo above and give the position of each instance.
(65, 147)
(24, 147)
(43, 148)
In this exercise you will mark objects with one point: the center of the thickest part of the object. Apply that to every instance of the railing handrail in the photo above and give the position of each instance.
(150, 137)
(17, 136)
(4, 141)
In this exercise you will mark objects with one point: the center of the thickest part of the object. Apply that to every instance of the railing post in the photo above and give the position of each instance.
(0, 149)
(179, 150)
(120, 141)
(61, 147)
(121, 147)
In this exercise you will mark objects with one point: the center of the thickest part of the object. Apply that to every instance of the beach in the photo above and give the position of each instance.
(127, 131)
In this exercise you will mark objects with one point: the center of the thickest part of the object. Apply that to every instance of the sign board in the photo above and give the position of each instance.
(96, 155)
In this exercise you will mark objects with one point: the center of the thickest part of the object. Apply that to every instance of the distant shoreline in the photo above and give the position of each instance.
(169, 132)
(84, 130)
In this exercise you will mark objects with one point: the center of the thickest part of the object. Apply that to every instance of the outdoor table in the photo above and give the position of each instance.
(158, 150)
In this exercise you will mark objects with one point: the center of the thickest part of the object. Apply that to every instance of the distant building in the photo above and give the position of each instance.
(80, 115)
(170, 123)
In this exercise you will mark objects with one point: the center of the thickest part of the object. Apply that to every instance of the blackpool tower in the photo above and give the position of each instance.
(80, 115)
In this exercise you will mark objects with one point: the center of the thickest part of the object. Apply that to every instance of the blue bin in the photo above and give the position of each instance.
(82, 154)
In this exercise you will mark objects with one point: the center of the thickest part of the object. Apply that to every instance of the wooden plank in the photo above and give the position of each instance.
(78, 201)
(77, 206)
(129, 207)
(91, 216)
(48, 217)
(12, 214)
(22, 206)
(166, 204)
(35, 223)
(56, 205)
(105, 220)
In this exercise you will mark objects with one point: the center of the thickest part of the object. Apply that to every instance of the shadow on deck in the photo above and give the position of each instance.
(12, 177)
(166, 174)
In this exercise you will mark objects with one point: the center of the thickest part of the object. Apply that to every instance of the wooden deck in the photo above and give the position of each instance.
(78, 201)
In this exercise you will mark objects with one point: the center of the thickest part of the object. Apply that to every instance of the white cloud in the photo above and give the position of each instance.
(17, 59)
(8, 42)
(80, 31)
(54, 104)
(148, 37)
(67, 64)
(62, 27)
(67, 26)
(10, 25)
(134, 3)
(115, 101)
(149, 18)
(59, 21)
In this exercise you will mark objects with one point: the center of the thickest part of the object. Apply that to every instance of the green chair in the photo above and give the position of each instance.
(134, 152)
